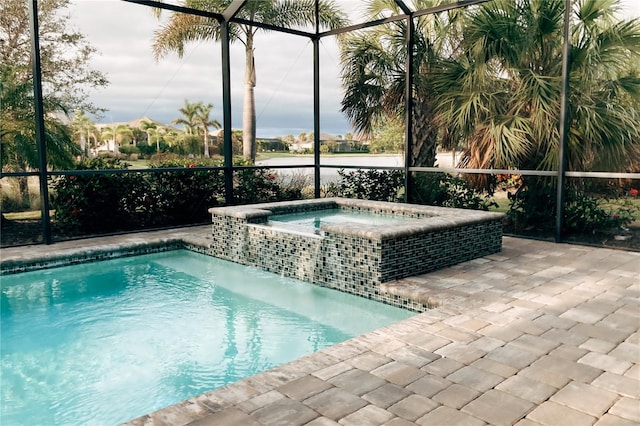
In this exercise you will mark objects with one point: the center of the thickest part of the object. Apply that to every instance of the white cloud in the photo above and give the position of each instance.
(140, 85)
(123, 34)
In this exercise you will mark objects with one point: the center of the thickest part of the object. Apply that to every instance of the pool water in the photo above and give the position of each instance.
(315, 219)
(106, 342)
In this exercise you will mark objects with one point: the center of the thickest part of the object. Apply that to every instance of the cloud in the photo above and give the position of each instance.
(140, 85)
(123, 33)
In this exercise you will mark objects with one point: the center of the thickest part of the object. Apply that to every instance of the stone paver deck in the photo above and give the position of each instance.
(538, 334)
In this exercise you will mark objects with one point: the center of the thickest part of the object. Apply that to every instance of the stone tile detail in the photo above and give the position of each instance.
(512, 356)
(611, 420)
(585, 398)
(413, 355)
(633, 372)
(260, 401)
(442, 367)
(429, 385)
(285, 412)
(228, 417)
(386, 395)
(511, 409)
(369, 361)
(621, 384)
(562, 367)
(398, 373)
(304, 387)
(527, 388)
(544, 376)
(335, 403)
(413, 407)
(568, 352)
(551, 413)
(605, 362)
(448, 416)
(322, 421)
(367, 416)
(398, 421)
(597, 345)
(627, 352)
(332, 370)
(456, 396)
(627, 408)
(475, 378)
(495, 367)
(357, 382)
(527, 422)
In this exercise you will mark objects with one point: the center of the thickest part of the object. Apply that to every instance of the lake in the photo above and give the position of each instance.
(328, 174)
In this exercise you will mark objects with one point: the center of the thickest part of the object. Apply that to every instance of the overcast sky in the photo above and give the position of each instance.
(141, 86)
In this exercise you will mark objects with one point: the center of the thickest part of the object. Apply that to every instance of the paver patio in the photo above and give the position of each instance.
(538, 334)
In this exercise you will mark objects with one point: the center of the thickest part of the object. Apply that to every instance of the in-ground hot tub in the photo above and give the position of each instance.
(353, 245)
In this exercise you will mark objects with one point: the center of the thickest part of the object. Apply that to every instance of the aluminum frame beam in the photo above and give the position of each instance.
(41, 142)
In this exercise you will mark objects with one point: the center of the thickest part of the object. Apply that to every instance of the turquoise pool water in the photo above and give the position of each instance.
(103, 343)
(315, 219)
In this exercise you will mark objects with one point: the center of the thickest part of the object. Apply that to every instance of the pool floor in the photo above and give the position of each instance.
(102, 343)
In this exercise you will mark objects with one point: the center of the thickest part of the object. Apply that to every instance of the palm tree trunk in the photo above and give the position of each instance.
(23, 190)
(206, 143)
(249, 106)
(423, 152)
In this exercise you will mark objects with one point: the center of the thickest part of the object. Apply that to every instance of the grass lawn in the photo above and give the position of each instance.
(31, 214)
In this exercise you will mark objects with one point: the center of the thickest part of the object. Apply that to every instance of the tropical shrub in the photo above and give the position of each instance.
(442, 189)
(87, 203)
(181, 197)
(379, 185)
(111, 202)
(129, 149)
(532, 207)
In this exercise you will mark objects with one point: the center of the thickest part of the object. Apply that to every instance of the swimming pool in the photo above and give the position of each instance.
(104, 342)
(315, 219)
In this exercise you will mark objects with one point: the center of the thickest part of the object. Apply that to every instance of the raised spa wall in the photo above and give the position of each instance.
(351, 257)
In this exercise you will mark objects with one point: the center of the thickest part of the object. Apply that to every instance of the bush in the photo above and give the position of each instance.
(533, 207)
(379, 185)
(129, 149)
(86, 203)
(441, 189)
(177, 197)
(295, 186)
(256, 186)
(105, 203)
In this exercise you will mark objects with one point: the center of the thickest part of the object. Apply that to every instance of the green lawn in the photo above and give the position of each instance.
(31, 214)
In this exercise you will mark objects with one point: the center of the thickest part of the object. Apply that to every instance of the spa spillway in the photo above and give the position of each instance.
(352, 245)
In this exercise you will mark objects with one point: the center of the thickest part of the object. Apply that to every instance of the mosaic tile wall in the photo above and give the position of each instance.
(355, 258)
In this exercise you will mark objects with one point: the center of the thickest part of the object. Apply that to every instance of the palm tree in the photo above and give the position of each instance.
(188, 120)
(183, 28)
(116, 133)
(504, 97)
(203, 120)
(17, 132)
(151, 129)
(85, 130)
(374, 73)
